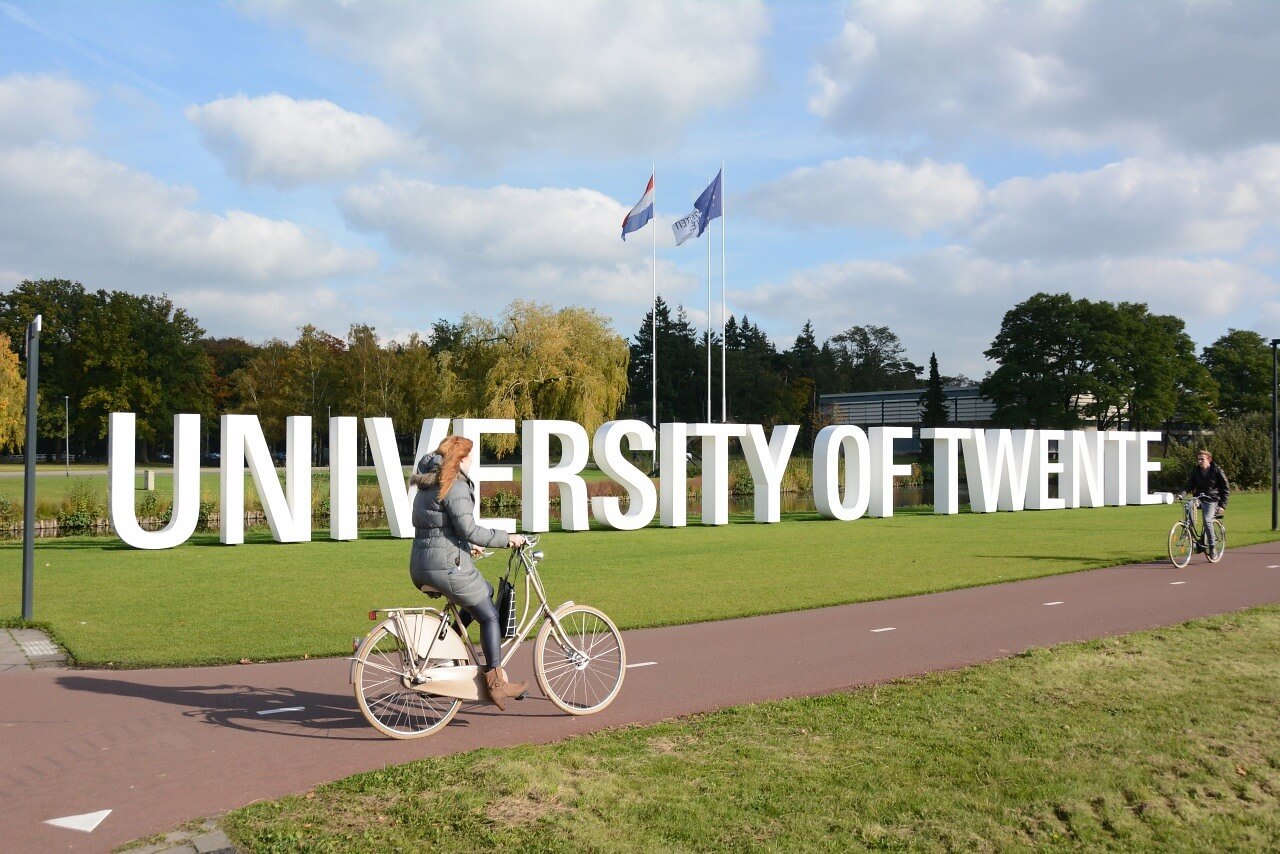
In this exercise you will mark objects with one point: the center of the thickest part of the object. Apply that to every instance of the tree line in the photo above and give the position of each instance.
(1060, 362)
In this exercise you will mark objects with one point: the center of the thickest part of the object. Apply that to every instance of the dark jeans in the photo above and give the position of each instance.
(490, 634)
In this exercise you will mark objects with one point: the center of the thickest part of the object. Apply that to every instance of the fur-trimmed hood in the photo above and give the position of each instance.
(427, 473)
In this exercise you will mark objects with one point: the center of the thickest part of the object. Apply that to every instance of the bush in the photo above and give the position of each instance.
(1242, 447)
(81, 508)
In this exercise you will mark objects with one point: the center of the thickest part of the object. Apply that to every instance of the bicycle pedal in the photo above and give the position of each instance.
(522, 695)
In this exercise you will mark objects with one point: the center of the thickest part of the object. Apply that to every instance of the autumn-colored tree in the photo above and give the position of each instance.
(12, 397)
(567, 364)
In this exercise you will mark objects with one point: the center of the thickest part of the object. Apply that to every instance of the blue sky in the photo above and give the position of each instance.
(919, 165)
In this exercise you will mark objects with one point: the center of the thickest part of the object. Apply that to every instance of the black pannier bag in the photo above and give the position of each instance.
(506, 605)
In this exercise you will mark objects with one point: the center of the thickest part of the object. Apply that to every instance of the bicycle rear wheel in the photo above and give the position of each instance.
(381, 682)
(1219, 542)
(1180, 545)
(582, 671)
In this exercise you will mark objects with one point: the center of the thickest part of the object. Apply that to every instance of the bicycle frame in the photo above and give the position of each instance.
(414, 626)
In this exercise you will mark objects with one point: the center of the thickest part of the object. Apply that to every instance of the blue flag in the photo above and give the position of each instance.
(708, 206)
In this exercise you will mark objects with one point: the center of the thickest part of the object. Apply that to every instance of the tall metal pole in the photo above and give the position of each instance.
(653, 318)
(709, 418)
(66, 449)
(724, 378)
(29, 460)
(1275, 437)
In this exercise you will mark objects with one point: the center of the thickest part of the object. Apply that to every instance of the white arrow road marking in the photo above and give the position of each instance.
(1177, 582)
(87, 823)
(1055, 603)
(642, 664)
(278, 711)
(885, 629)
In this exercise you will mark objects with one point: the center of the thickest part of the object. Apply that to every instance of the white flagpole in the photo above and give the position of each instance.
(724, 379)
(709, 418)
(653, 318)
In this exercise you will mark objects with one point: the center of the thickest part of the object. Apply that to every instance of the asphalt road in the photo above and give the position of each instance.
(160, 747)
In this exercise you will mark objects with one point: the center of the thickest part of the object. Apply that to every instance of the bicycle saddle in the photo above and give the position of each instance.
(431, 591)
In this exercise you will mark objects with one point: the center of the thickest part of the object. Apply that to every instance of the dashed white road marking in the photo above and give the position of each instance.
(279, 711)
(86, 823)
(1055, 603)
(1273, 566)
(642, 664)
(1177, 582)
(885, 629)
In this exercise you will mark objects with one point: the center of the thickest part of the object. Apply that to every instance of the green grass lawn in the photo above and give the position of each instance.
(1158, 741)
(206, 603)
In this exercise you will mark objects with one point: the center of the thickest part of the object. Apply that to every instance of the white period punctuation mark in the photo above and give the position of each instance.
(642, 664)
(86, 823)
(885, 629)
(278, 711)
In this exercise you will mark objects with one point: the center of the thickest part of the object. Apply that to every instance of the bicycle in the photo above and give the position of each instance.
(413, 670)
(1185, 538)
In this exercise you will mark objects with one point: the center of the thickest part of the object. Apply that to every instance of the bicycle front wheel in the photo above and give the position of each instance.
(1219, 542)
(381, 680)
(580, 670)
(1180, 545)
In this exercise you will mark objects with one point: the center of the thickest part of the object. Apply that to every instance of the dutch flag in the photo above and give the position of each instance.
(641, 213)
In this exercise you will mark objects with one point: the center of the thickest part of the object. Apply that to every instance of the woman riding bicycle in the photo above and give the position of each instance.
(1207, 479)
(445, 539)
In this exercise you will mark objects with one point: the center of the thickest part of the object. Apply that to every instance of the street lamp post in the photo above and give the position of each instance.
(29, 465)
(1275, 437)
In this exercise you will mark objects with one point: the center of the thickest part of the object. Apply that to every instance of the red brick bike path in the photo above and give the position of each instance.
(160, 747)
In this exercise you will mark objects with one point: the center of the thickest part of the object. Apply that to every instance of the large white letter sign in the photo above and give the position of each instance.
(768, 463)
(1038, 487)
(1084, 474)
(607, 449)
(946, 466)
(832, 443)
(537, 474)
(1140, 466)
(1117, 453)
(715, 469)
(342, 478)
(883, 468)
(673, 466)
(997, 464)
(474, 429)
(186, 482)
(397, 496)
(288, 517)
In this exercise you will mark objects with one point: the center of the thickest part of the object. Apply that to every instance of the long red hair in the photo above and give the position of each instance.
(451, 451)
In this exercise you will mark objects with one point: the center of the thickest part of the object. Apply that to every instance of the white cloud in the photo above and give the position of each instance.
(1140, 206)
(951, 300)
(275, 139)
(34, 107)
(595, 76)
(71, 213)
(861, 192)
(1065, 74)
(479, 248)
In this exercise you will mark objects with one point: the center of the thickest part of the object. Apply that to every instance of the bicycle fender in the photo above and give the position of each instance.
(423, 632)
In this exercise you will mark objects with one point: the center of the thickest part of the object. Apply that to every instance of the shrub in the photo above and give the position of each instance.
(81, 508)
(1242, 447)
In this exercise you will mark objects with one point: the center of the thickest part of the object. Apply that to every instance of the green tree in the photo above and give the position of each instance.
(567, 364)
(1045, 368)
(872, 358)
(226, 356)
(267, 386)
(1240, 362)
(933, 403)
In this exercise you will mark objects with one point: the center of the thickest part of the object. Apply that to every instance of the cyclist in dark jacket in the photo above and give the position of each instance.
(1207, 479)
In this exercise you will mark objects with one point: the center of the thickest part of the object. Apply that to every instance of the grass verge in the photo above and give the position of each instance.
(1162, 740)
(205, 603)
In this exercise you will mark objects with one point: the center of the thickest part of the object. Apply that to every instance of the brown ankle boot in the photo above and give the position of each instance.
(500, 689)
